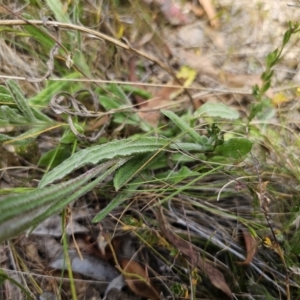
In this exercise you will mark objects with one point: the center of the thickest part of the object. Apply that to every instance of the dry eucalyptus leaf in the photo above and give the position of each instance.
(215, 276)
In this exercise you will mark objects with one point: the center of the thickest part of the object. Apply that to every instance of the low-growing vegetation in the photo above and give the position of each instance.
(128, 174)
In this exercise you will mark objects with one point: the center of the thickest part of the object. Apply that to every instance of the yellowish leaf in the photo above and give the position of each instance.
(279, 98)
(267, 242)
(120, 31)
(187, 75)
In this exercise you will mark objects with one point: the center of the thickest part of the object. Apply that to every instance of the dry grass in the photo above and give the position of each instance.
(107, 42)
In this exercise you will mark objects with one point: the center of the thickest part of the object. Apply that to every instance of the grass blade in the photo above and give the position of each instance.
(117, 201)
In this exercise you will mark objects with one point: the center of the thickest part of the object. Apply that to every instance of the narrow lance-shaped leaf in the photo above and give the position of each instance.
(57, 8)
(217, 110)
(131, 168)
(27, 136)
(55, 207)
(6, 99)
(44, 97)
(96, 154)
(20, 100)
(40, 34)
(19, 212)
(4, 138)
(191, 147)
(183, 126)
(118, 200)
(11, 115)
(15, 205)
(4, 276)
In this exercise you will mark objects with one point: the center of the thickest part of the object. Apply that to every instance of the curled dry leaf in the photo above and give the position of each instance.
(251, 246)
(141, 288)
(214, 275)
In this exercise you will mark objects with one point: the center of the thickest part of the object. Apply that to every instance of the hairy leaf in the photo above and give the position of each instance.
(217, 110)
(235, 148)
(44, 97)
(19, 212)
(38, 33)
(96, 154)
(190, 147)
(11, 115)
(132, 167)
(183, 126)
(20, 100)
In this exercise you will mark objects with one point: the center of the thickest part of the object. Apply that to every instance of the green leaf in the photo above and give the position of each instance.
(57, 8)
(265, 87)
(255, 90)
(41, 35)
(4, 276)
(19, 212)
(12, 115)
(28, 136)
(40, 116)
(191, 147)
(235, 148)
(286, 37)
(176, 177)
(5, 95)
(116, 90)
(96, 154)
(267, 75)
(217, 110)
(117, 201)
(55, 156)
(4, 90)
(69, 137)
(136, 91)
(109, 102)
(131, 168)
(4, 138)
(44, 97)
(256, 109)
(272, 58)
(20, 100)
(183, 125)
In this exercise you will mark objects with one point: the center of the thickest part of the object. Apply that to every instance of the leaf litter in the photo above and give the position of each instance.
(222, 60)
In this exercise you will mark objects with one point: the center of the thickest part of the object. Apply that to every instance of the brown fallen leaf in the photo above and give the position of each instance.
(215, 276)
(140, 287)
(251, 246)
(150, 111)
